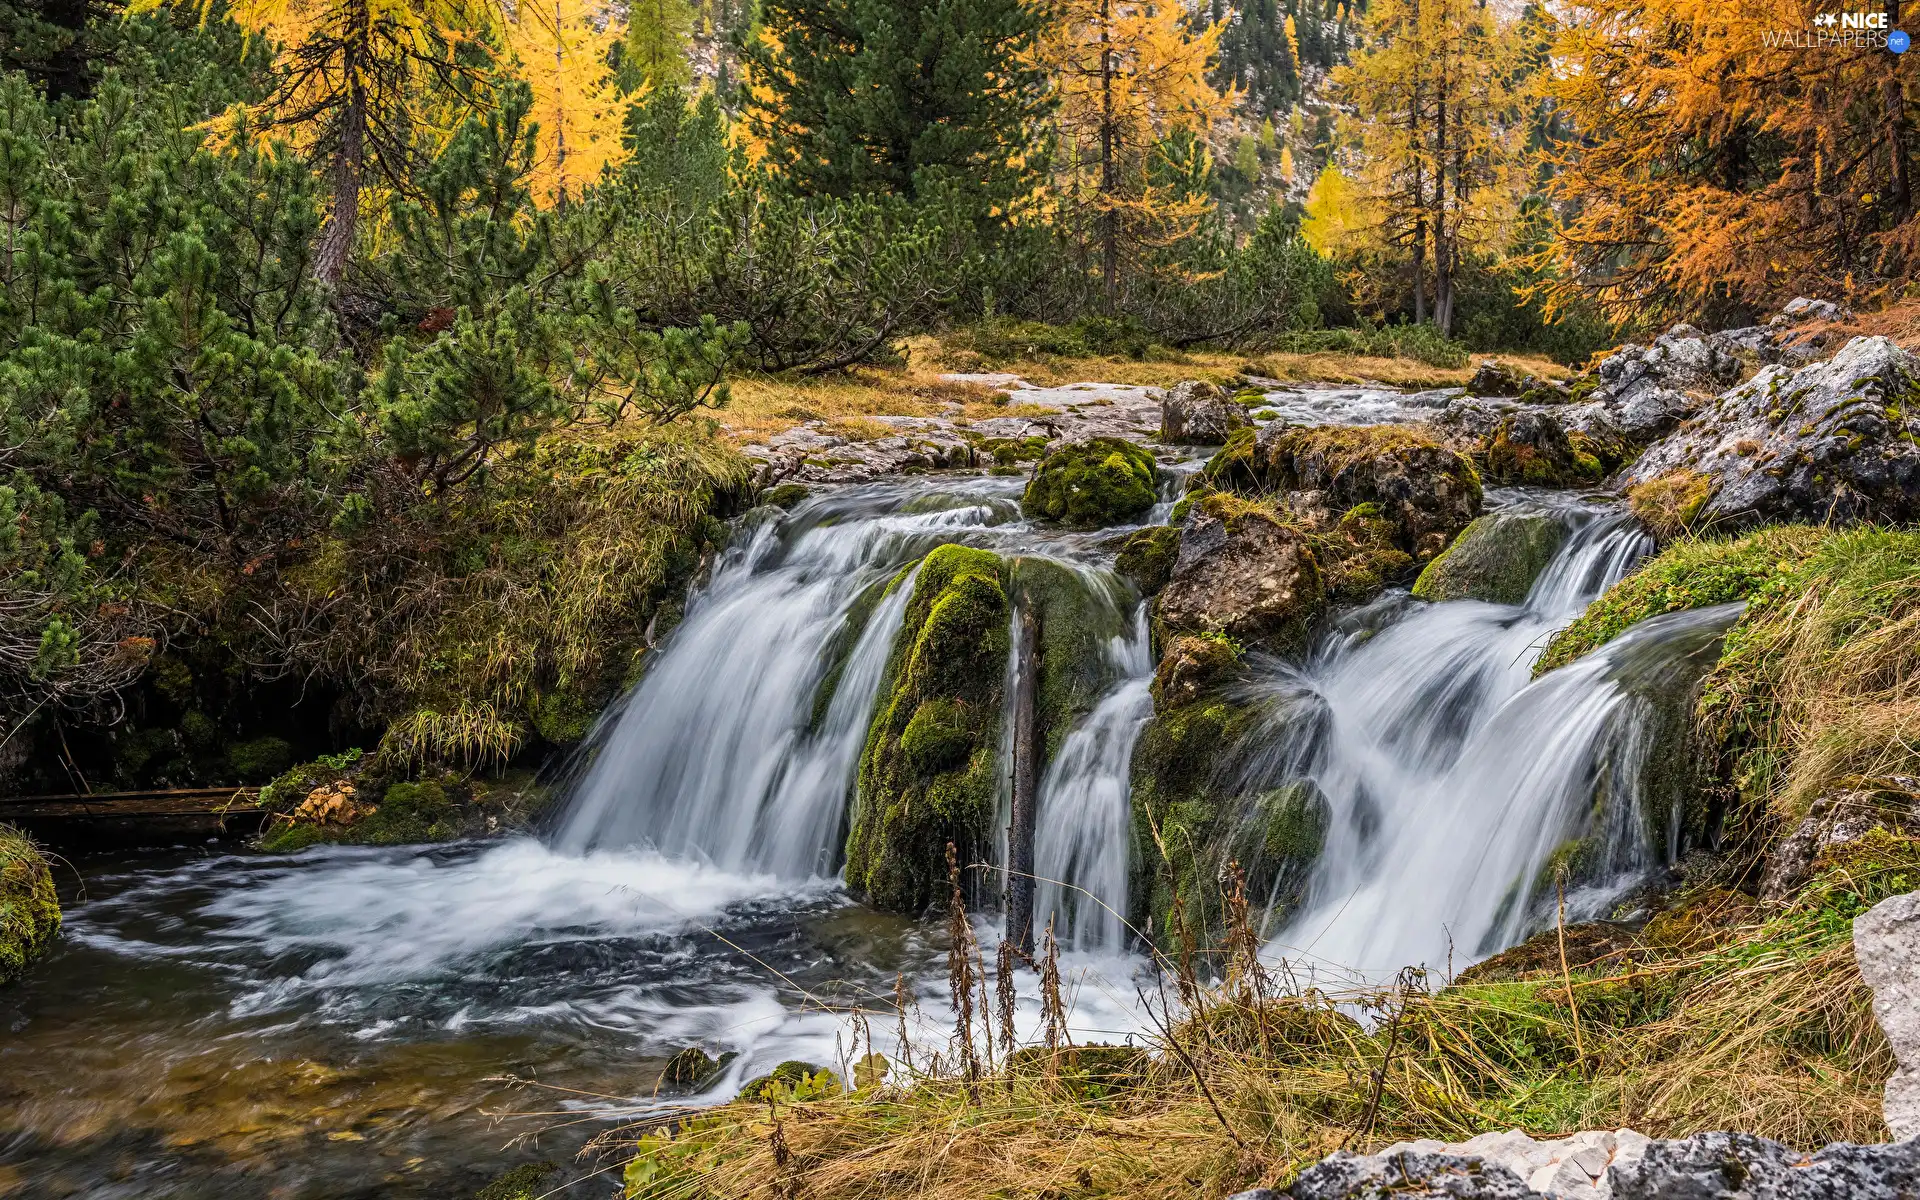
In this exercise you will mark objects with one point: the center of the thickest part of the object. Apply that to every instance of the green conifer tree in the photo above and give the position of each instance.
(861, 97)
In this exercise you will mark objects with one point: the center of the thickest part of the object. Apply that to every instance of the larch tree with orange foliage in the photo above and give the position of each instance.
(1435, 151)
(1716, 166)
(562, 49)
(1131, 78)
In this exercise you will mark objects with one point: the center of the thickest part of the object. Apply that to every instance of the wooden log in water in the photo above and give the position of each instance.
(89, 820)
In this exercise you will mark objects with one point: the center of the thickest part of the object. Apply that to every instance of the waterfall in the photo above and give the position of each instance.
(1083, 837)
(720, 753)
(1450, 779)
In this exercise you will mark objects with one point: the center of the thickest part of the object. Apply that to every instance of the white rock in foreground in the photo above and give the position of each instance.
(1886, 941)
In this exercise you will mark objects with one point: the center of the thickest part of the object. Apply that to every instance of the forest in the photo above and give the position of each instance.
(399, 397)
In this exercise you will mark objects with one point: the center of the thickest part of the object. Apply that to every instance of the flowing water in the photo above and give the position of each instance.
(411, 1021)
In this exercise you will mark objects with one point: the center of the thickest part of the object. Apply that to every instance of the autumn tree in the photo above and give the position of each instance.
(562, 48)
(860, 97)
(1713, 165)
(1132, 78)
(1435, 148)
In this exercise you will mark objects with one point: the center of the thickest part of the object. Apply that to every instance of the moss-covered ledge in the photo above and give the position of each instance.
(928, 773)
(29, 910)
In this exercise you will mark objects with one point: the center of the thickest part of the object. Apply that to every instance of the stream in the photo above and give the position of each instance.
(412, 1021)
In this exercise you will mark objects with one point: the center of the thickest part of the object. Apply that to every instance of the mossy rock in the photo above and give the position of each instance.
(1531, 449)
(929, 772)
(786, 495)
(29, 908)
(792, 1080)
(1192, 665)
(1080, 613)
(1086, 485)
(524, 1182)
(1670, 505)
(1147, 557)
(262, 758)
(693, 1068)
(1495, 559)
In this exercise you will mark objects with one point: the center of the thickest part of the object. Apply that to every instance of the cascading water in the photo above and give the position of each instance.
(1449, 780)
(717, 753)
(1083, 841)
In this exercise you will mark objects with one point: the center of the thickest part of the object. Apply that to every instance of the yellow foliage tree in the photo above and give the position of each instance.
(1436, 149)
(561, 48)
(1729, 153)
(1129, 77)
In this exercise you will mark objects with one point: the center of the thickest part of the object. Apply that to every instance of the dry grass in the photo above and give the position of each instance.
(1764, 1027)
(766, 405)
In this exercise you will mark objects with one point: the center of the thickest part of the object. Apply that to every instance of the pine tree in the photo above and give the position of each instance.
(852, 97)
(655, 52)
(354, 76)
(1440, 126)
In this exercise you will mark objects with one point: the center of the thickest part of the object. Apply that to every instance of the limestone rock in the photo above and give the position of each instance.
(1832, 822)
(1243, 573)
(1495, 559)
(1834, 441)
(1617, 1165)
(1198, 413)
(1886, 941)
(1531, 448)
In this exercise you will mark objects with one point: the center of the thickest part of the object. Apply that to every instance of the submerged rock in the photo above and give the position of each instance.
(929, 772)
(1198, 413)
(1244, 573)
(1615, 1165)
(1085, 485)
(29, 909)
(1495, 559)
(692, 1069)
(1837, 441)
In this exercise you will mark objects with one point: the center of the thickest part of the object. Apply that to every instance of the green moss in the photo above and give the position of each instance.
(1496, 558)
(1147, 557)
(1670, 505)
(787, 495)
(1079, 613)
(1688, 574)
(409, 813)
(262, 758)
(524, 1182)
(563, 717)
(1085, 485)
(1011, 452)
(29, 909)
(928, 783)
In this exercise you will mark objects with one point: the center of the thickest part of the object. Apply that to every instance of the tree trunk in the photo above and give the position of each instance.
(1109, 172)
(336, 239)
(1442, 240)
(1020, 830)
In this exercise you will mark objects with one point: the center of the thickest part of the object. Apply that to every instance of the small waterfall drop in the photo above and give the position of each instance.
(721, 752)
(1085, 810)
(1450, 778)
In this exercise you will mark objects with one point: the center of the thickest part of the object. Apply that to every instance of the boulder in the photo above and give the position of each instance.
(1147, 557)
(1493, 378)
(1530, 448)
(1198, 413)
(29, 909)
(1495, 559)
(1085, 485)
(1886, 942)
(1836, 441)
(929, 773)
(1244, 573)
(1192, 665)
(1614, 1165)
(1832, 822)
(1425, 491)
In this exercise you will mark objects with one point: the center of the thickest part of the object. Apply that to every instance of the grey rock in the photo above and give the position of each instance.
(1257, 1194)
(1247, 576)
(1886, 942)
(1837, 440)
(1831, 822)
(1496, 559)
(1198, 413)
(1801, 308)
(1621, 1165)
